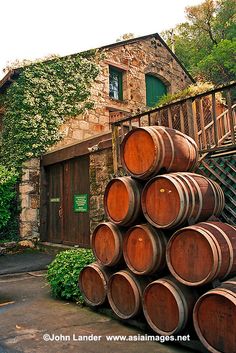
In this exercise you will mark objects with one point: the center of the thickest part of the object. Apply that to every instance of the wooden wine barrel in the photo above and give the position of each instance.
(201, 253)
(214, 318)
(144, 249)
(179, 198)
(93, 280)
(168, 305)
(122, 200)
(125, 293)
(107, 244)
(147, 151)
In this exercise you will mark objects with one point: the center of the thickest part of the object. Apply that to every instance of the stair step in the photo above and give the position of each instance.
(222, 154)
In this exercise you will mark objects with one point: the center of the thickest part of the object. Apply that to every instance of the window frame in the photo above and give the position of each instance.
(120, 75)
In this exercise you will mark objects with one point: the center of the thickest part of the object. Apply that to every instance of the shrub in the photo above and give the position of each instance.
(8, 180)
(11, 230)
(190, 91)
(64, 271)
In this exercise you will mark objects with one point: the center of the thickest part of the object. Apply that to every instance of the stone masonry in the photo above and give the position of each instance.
(101, 171)
(29, 196)
(148, 56)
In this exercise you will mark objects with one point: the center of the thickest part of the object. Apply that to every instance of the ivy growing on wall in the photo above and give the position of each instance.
(40, 100)
(36, 103)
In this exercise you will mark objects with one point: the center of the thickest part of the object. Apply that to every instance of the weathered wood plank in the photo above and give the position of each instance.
(230, 113)
(75, 150)
(115, 147)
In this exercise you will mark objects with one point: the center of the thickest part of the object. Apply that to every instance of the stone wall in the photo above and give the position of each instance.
(148, 56)
(101, 171)
(29, 196)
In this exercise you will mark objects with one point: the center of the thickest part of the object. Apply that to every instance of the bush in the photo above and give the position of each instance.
(64, 271)
(11, 230)
(8, 180)
(190, 91)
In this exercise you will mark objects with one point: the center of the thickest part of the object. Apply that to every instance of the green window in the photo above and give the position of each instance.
(115, 83)
(155, 89)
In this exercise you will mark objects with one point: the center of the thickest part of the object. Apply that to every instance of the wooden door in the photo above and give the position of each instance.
(68, 202)
(76, 202)
(155, 89)
(55, 203)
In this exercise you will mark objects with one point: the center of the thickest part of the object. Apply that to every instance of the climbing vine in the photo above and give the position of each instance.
(40, 100)
(36, 103)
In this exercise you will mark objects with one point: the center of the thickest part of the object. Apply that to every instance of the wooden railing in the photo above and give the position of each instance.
(208, 119)
(223, 130)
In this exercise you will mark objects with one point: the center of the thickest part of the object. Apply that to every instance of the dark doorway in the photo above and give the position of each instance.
(68, 202)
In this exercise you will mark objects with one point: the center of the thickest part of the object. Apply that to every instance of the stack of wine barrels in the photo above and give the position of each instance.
(157, 252)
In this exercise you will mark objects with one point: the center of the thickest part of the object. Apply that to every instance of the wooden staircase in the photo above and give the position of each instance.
(213, 127)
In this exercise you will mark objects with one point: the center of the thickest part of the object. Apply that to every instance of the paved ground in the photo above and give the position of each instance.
(28, 312)
(24, 262)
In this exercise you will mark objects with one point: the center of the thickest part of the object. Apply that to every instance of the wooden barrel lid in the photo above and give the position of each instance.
(117, 200)
(93, 284)
(144, 250)
(139, 250)
(163, 307)
(215, 320)
(124, 295)
(192, 256)
(106, 242)
(139, 151)
(162, 201)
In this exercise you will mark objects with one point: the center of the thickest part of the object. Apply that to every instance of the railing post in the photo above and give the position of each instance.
(192, 124)
(181, 114)
(159, 121)
(130, 125)
(215, 128)
(202, 124)
(230, 114)
(115, 147)
(170, 125)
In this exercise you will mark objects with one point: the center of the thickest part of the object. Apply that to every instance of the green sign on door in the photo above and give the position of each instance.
(81, 203)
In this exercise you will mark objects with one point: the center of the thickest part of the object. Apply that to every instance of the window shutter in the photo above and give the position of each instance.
(155, 89)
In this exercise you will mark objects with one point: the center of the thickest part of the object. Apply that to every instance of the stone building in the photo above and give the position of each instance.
(134, 74)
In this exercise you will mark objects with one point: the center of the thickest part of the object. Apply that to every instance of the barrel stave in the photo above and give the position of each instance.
(93, 282)
(214, 318)
(125, 293)
(144, 249)
(168, 305)
(147, 151)
(122, 200)
(199, 254)
(107, 244)
(174, 199)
